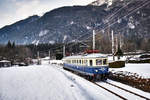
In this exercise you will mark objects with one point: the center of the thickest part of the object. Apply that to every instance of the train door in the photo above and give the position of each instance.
(91, 62)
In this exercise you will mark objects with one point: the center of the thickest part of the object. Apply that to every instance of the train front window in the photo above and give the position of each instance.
(104, 61)
(98, 62)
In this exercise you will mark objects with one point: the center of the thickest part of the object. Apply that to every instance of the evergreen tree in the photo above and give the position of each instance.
(119, 52)
(13, 45)
(9, 44)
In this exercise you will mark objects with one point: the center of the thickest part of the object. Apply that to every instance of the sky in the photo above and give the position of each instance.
(15, 10)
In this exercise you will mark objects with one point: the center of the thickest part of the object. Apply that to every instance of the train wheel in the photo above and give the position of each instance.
(98, 77)
(104, 77)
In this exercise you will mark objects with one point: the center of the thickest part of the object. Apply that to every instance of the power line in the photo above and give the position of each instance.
(111, 16)
(109, 20)
(119, 9)
(143, 3)
(123, 17)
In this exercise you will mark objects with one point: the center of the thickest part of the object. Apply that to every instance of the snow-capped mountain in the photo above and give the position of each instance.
(100, 2)
(129, 18)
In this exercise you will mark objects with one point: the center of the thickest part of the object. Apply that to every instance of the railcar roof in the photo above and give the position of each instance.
(95, 55)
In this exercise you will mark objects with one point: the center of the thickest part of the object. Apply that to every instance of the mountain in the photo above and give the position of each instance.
(129, 18)
(17, 31)
(53, 27)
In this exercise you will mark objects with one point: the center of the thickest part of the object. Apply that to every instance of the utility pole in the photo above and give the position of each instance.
(93, 40)
(49, 56)
(113, 44)
(64, 52)
(39, 61)
(117, 43)
(38, 55)
(120, 40)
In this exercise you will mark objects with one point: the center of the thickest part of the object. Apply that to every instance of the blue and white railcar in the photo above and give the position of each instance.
(93, 66)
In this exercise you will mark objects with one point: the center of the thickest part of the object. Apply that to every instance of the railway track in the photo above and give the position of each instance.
(120, 95)
(110, 91)
(129, 91)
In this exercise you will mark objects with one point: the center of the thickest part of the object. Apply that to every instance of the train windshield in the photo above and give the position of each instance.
(104, 61)
(101, 61)
(98, 62)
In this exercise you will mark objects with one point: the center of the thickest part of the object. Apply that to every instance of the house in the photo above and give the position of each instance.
(5, 63)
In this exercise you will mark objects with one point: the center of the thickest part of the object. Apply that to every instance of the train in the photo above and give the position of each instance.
(91, 66)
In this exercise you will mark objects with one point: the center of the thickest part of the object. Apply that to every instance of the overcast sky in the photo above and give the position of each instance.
(15, 10)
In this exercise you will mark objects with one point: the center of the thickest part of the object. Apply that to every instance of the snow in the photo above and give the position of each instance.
(47, 82)
(88, 27)
(51, 82)
(43, 32)
(36, 42)
(131, 25)
(65, 37)
(58, 62)
(141, 69)
(110, 2)
(72, 22)
(51, 42)
(4, 61)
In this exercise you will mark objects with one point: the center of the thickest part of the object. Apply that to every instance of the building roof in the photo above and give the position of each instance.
(5, 61)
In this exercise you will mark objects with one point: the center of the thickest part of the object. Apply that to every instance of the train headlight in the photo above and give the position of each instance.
(96, 70)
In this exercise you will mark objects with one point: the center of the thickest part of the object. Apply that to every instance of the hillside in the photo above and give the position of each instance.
(132, 21)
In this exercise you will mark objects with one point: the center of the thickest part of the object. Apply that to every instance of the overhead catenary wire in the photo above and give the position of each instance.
(111, 16)
(109, 24)
(121, 18)
(128, 25)
(135, 8)
(116, 21)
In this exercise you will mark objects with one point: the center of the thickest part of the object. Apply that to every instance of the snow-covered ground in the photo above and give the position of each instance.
(142, 70)
(48, 82)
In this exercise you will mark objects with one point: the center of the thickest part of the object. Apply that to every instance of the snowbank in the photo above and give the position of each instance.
(142, 70)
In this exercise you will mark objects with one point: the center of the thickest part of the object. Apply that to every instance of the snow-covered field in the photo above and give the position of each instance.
(48, 82)
(142, 70)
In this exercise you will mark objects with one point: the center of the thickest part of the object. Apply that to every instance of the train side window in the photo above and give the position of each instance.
(91, 62)
(86, 62)
(80, 61)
